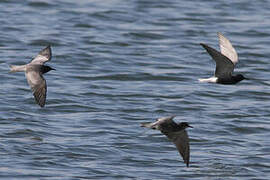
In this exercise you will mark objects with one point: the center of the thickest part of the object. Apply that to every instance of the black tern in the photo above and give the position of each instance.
(34, 71)
(225, 62)
(175, 132)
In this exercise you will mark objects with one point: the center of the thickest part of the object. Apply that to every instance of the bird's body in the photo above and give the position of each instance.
(175, 132)
(34, 74)
(225, 62)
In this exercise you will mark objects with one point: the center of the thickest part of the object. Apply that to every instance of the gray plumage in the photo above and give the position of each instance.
(225, 60)
(175, 132)
(34, 74)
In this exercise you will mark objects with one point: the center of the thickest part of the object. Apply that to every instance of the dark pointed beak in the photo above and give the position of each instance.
(190, 126)
(53, 69)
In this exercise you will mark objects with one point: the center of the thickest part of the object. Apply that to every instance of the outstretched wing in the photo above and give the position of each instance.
(38, 86)
(43, 56)
(168, 119)
(181, 141)
(160, 123)
(164, 123)
(224, 66)
(227, 49)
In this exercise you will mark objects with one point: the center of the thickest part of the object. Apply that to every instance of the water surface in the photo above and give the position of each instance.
(120, 63)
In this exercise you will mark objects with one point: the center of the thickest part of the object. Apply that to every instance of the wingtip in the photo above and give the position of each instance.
(49, 47)
(47, 52)
(220, 36)
(42, 105)
(186, 162)
(39, 100)
(203, 45)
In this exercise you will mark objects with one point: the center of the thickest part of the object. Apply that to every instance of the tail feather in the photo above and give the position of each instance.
(17, 68)
(147, 124)
(210, 80)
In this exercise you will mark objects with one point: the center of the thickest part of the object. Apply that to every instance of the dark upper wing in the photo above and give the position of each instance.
(159, 123)
(167, 125)
(162, 120)
(224, 66)
(38, 86)
(43, 56)
(181, 141)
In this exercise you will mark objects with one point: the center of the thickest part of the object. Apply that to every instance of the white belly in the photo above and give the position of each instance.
(210, 80)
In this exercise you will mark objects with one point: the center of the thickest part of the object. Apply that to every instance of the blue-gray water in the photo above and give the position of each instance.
(120, 63)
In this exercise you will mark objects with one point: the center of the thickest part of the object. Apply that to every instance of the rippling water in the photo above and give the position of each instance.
(120, 63)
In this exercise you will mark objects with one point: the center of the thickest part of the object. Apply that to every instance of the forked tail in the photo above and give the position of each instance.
(17, 68)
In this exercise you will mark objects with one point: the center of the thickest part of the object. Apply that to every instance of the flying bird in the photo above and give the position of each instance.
(34, 74)
(175, 132)
(225, 60)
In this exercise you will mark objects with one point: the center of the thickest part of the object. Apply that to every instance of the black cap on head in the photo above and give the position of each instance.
(185, 125)
(240, 77)
(46, 69)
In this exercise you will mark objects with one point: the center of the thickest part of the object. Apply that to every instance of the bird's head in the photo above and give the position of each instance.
(184, 125)
(240, 77)
(46, 69)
